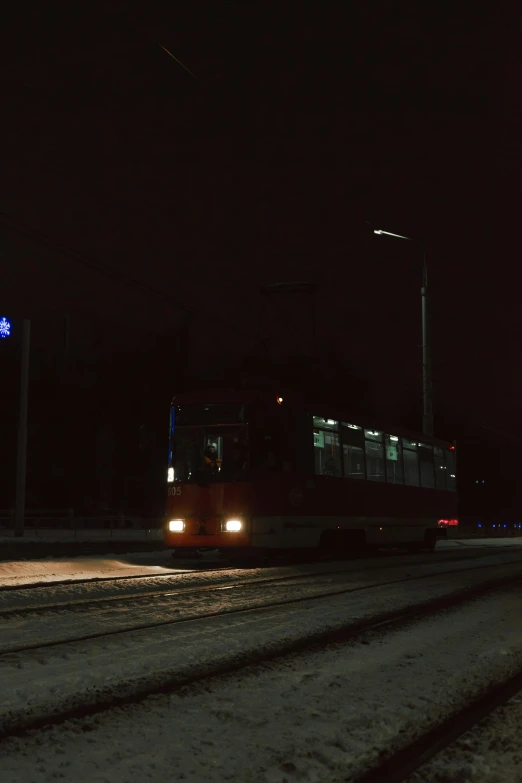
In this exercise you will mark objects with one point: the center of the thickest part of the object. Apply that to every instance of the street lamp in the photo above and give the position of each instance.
(427, 391)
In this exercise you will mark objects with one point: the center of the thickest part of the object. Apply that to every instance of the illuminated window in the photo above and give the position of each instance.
(327, 453)
(351, 426)
(353, 461)
(427, 471)
(374, 460)
(353, 451)
(326, 424)
(373, 435)
(411, 463)
(394, 470)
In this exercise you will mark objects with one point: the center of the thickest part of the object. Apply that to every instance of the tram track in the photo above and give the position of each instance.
(83, 604)
(399, 767)
(236, 610)
(218, 569)
(80, 605)
(133, 691)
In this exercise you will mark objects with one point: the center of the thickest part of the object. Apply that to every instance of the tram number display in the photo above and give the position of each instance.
(174, 490)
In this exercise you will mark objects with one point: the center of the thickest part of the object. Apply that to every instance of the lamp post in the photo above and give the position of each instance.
(427, 389)
(21, 456)
(21, 459)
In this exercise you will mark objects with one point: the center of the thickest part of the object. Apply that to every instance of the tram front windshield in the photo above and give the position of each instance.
(209, 443)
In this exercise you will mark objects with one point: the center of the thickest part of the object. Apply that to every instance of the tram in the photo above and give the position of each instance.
(258, 472)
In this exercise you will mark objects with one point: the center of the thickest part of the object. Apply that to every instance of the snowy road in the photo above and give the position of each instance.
(316, 716)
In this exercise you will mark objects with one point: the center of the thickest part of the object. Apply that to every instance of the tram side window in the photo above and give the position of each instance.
(440, 468)
(327, 453)
(353, 451)
(394, 470)
(353, 461)
(374, 449)
(427, 472)
(451, 478)
(411, 463)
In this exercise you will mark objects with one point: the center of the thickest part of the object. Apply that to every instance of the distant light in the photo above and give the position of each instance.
(279, 400)
(505, 525)
(479, 524)
(453, 522)
(452, 448)
(394, 437)
(170, 475)
(493, 525)
(5, 328)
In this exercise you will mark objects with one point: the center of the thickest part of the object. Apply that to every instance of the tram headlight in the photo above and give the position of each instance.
(177, 525)
(233, 525)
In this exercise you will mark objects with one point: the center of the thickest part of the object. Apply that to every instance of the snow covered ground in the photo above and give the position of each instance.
(48, 680)
(51, 582)
(306, 718)
(58, 569)
(111, 606)
(161, 562)
(489, 753)
(318, 717)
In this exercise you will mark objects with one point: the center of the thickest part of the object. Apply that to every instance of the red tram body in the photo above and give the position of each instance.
(253, 471)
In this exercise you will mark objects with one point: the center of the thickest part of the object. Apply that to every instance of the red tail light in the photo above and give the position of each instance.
(453, 522)
(448, 522)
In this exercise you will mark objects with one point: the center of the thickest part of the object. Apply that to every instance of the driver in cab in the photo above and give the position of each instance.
(212, 461)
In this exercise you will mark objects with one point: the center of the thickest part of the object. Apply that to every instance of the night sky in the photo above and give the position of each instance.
(297, 127)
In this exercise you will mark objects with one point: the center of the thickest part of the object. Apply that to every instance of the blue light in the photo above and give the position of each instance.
(505, 525)
(479, 524)
(494, 525)
(5, 327)
(171, 434)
